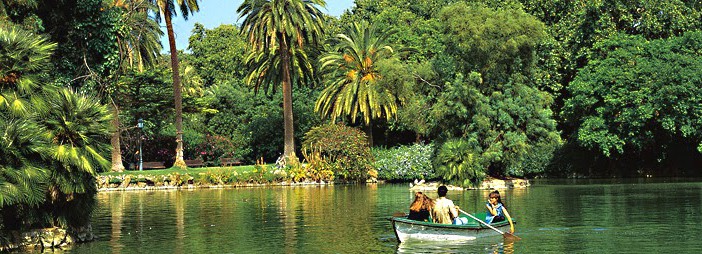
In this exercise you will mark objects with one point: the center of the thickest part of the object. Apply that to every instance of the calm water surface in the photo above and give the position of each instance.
(637, 216)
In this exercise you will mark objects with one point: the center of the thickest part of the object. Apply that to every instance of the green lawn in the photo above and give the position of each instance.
(190, 171)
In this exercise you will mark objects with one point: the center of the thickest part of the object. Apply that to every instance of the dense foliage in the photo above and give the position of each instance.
(495, 115)
(637, 102)
(344, 148)
(55, 141)
(405, 163)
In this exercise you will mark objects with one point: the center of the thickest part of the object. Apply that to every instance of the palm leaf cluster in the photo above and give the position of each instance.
(353, 74)
(22, 56)
(51, 149)
(139, 35)
(78, 130)
(278, 31)
(20, 178)
(458, 162)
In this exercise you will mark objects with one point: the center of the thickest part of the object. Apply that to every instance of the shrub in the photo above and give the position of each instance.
(317, 168)
(215, 147)
(137, 180)
(405, 163)
(458, 162)
(115, 180)
(345, 150)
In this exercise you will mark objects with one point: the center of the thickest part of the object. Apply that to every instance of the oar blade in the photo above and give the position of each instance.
(511, 237)
(399, 214)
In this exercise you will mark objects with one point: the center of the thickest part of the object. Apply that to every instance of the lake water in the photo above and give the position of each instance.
(634, 216)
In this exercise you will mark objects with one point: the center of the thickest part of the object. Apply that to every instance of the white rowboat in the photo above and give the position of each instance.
(406, 229)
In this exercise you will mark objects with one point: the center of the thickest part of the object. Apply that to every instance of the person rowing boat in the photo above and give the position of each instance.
(497, 211)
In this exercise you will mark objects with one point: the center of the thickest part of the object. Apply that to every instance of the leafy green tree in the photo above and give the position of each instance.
(20, 13)
(636, 105)
(167, 8)
(496, 114)
(86, 32)
(146, 95)
(278, 32)
(495, 42)
(577, 25)
(218, 54)
(415, 23)
(510, 132)
(352, 87)
(251, 120)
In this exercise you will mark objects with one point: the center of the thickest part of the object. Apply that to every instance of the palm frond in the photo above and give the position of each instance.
(353, 76)
(266, 24)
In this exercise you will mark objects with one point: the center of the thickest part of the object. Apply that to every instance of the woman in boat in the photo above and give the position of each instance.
(444, 210)
(421, 207)
(497, 211)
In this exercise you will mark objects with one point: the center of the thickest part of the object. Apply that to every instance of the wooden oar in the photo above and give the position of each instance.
(505, 234)
(399, 214)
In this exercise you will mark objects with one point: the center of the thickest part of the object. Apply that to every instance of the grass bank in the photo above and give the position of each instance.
(192, 171)
(193, 177)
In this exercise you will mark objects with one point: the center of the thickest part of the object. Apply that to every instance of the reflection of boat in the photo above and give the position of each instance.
(493, 244)
(406, 229)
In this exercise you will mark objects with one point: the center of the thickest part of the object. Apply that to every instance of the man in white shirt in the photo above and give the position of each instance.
(444, 210)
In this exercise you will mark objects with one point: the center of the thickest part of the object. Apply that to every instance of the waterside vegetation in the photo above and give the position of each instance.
(450, 90)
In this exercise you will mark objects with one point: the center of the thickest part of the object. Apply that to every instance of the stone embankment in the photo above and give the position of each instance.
(44, 239)
(487, 184)
(175, 181)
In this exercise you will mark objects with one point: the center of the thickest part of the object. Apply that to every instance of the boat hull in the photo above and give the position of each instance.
(408, 230)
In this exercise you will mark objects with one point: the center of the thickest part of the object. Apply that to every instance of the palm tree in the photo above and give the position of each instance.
(23, 56)
(168, 10)
(139, 47)
(77, 127)
(279, 32)
(352, 70)
(21, 179)
(50, 141)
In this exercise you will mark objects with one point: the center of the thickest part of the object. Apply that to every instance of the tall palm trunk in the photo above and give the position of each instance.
(117, 165)
(289, 148)
(177, 93)
(369, 132)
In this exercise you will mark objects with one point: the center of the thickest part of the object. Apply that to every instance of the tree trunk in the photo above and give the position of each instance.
(117, 165)
(177, 93)
(369, 132)
(289, 148)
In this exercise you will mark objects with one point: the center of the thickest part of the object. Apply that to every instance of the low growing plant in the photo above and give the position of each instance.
(405, 163)
(458, 162)
(317, 168)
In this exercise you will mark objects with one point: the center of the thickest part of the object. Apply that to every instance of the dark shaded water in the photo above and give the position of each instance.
(637, 216)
